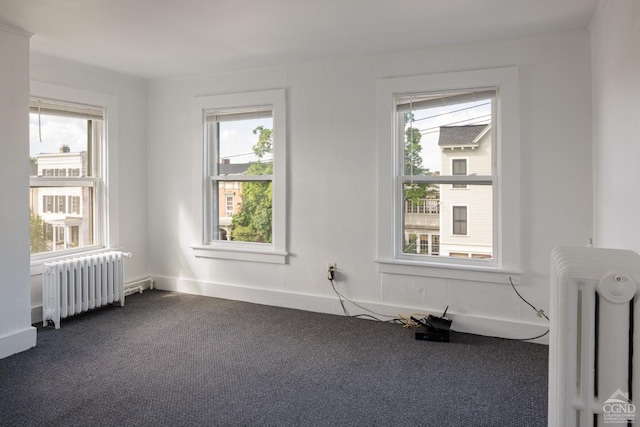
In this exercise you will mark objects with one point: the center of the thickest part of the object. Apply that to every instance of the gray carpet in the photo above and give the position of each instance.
(167, 359)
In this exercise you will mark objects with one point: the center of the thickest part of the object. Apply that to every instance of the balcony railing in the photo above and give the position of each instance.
(422, 206)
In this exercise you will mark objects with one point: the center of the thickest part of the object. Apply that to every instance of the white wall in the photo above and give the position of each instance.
(16, 333)
(615, 43)
(130, 165)
(332, 183)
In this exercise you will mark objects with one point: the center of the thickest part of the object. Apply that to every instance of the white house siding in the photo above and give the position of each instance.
(66, 217)
(477, 199)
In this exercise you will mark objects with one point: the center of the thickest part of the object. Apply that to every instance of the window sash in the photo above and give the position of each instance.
(241, 178)
(453, 179)
(39, 181)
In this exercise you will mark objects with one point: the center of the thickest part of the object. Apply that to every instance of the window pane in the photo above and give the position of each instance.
(434, 131)
(60, 218)
(59, 146)
(244, 211)
(246, 147)
(440, 221)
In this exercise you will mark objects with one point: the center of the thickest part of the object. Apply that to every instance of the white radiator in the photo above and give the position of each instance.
(75, 285)
(594, 342)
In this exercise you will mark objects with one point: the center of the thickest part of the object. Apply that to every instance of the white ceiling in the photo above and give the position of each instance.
(156, 38)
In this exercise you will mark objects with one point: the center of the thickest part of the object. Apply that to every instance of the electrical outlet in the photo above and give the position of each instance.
(331, 270)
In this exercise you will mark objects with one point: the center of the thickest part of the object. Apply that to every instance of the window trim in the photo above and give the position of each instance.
(506, 186)
(274, 252)
(107, 202)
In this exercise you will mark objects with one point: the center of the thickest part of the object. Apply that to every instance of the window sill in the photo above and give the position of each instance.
(253, 254)
(468, 272)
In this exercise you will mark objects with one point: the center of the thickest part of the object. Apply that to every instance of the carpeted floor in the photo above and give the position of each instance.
(168, 359)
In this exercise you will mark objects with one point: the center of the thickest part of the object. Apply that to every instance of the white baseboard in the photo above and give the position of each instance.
(479, 325)
(17, 342)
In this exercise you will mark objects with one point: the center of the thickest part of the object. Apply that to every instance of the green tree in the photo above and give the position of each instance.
(253, 221)
(412, 148)
(37, 231)
(413, 163)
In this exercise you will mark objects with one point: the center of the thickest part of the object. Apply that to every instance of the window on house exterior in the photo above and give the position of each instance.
(432, 143)
(459, 168)
(66, 143)
(459, 220)
(245, 153)
(435, 244)
(229, 204)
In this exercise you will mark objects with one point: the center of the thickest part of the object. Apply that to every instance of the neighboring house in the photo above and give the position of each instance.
(422, 226)
(229, 195)
(458, 220)
(65, 210)
(466, 211)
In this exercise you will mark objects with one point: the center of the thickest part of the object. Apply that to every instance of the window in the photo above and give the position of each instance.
(242, 148)
(74, 204)
(459, 167)
(433, 130)
(244, 167)
(433, 141)
(68, 157)
(229, 205)
(460, 220)
(435, 244)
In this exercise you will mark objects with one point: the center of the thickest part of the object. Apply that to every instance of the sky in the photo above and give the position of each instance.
(48, 133)
(237, 139)
(56, 131)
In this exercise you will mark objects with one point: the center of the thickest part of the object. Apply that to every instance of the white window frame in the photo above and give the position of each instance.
(106, 227)
(506, 183)
(274, 252)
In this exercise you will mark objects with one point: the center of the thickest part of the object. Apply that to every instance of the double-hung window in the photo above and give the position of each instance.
(443, 141)
(66, 146)
(437, 133)
(244, 176)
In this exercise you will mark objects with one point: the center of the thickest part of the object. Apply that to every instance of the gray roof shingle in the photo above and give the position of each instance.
(451, 136)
